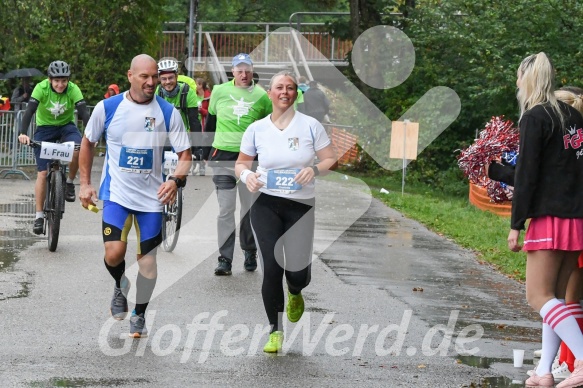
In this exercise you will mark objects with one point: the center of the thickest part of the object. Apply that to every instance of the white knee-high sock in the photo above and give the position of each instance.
(550, 344)
(563, 323)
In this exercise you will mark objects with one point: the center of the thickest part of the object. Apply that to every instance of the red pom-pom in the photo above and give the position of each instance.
(499, 136)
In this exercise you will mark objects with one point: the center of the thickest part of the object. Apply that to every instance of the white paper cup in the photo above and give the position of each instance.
(518, 357)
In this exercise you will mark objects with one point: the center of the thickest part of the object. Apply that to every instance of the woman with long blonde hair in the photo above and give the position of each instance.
(548, 190)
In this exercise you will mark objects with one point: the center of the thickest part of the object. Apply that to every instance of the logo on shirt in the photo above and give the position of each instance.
(57, 109)
(574, 138)
(242, 108)
(150, 124)
(293, 143)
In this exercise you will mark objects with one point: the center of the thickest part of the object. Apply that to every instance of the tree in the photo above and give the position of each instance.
(97, 40)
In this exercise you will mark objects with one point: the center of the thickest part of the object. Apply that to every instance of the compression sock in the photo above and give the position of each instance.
(144, 290)
(116, 272)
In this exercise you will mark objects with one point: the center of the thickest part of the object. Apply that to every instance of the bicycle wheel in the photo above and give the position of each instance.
(55, 208)
(171, 220)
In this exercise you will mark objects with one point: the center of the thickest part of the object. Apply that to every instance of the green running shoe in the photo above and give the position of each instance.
(275, 342)
(295, 306)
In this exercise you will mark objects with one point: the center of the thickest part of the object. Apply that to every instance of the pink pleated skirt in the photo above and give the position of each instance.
(548, 232)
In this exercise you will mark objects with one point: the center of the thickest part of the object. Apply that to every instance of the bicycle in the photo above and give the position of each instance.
(172, 215)
(58, 155)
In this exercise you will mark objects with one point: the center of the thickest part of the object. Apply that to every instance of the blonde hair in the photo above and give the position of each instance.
(536, 85)
(284, 73)
(571, 98)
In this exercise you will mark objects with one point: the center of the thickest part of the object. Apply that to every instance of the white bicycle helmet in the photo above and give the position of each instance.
(59, 69)
(168, 65)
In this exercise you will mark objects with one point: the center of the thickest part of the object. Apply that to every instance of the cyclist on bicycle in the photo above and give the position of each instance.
(183, 98)
(57, 99)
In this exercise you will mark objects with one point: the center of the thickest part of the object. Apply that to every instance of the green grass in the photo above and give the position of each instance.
(455, 218)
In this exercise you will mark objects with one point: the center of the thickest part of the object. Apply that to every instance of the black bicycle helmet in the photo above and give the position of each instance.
(59, 69)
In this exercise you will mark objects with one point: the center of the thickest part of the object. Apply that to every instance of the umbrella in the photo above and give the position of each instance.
(21, 73)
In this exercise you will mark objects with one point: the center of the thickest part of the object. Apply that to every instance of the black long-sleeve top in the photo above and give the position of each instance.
(549, 169)
(502, 173)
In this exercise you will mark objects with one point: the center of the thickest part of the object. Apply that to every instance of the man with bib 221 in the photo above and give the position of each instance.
(54, 101)
(184, 98)
(136, 124)
(233, 106)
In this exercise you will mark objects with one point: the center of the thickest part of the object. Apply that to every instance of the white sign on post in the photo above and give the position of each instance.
(404, 140)
(57, 151)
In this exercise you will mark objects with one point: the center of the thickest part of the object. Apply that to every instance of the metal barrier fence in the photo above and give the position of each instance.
(13, 155)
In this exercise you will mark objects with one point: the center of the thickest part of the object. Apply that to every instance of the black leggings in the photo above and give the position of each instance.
(272, 219)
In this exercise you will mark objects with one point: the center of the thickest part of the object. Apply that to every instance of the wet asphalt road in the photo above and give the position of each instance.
(384, 290)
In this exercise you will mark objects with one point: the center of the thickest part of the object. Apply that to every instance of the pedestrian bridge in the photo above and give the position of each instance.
(272, 46)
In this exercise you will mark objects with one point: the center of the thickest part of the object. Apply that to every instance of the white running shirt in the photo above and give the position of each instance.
(292, 148)
(135, 135)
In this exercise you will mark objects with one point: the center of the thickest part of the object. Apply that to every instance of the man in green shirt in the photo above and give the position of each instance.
(233, 106)
(184, 98)
(54, 101)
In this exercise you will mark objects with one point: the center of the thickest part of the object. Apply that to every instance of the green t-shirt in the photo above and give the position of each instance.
(191, 102)
(300, 99)
(55, 108)
(236, 108)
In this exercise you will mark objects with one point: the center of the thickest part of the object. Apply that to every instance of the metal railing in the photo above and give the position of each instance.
(13, 155)
(219, 73)
(227, 40)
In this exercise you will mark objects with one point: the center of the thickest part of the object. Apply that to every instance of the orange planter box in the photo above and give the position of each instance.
(480, 199)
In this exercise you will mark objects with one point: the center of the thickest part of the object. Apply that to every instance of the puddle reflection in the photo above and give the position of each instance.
(485, 362)
(497, 382)
(80, 382)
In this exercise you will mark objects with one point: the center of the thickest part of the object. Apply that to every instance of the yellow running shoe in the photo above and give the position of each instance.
(295, 306)
(275, 342)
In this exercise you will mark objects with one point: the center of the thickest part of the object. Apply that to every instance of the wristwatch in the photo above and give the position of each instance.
(316, 171)
(179, 182)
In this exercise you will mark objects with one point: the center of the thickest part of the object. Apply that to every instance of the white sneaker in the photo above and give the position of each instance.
(195, 169)
(561, 372)
(538, 353)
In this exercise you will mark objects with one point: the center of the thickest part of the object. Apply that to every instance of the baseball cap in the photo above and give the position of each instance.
(242, 58)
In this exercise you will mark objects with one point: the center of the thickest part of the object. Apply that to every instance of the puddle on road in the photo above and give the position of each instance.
(80, 382)
(492, 382)
(497, 382)
(15, 236)
(19, 237)
(485, 362)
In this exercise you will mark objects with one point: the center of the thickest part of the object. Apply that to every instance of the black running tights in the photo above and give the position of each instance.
(284, 233)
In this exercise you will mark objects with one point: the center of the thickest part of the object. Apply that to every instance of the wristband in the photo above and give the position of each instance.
(244, 175)
(316, 171)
